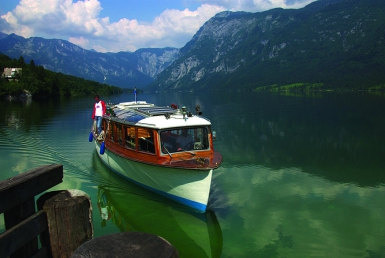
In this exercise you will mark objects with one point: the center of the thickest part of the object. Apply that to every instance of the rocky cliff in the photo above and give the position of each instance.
(327, 44)
(124, 69)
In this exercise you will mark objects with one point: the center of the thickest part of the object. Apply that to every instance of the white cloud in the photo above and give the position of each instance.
(172, 28)
(256, 5)
(79, 23)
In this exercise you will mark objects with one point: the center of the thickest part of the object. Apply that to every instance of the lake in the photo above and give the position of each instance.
(302, 176)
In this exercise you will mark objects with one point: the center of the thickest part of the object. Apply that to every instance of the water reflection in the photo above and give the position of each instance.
(339, 137)
(133, 209)
(23, 114)
(288, 213)
(302, 176)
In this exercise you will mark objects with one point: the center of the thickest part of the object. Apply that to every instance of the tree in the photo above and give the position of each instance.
(21, 62)
(32, 65)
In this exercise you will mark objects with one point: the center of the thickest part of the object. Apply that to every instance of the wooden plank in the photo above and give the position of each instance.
(42, 253)
(17, 215)
(20, 188)
(16, 237)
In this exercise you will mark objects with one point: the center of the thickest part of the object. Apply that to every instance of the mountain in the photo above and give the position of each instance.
(123, 69)
(328, 44)
(2, 35)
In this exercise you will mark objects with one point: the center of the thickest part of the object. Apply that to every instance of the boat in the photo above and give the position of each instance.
(168, 150)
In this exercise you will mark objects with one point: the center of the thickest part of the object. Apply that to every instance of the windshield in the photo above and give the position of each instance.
(182, 139)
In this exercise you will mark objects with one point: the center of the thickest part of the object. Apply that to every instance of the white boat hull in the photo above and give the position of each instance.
(186, 186)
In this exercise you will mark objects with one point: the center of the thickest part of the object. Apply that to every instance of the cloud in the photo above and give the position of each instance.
(53, 17)
(80, 23)
(289, 203)
(172, 28)
(256, 5)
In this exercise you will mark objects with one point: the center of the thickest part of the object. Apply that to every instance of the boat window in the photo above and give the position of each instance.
(119, 136)
(111, 130)
(184, 139)
(130, 137)
(134, 118)
(129, 116)
(118, 111)
(146, 140)
(104, 123)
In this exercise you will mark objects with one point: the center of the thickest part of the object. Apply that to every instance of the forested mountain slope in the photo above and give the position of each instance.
(123, 69)
(329, 44)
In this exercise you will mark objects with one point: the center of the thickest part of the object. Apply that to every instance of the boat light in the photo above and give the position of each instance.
(184, 112)
(198, 110)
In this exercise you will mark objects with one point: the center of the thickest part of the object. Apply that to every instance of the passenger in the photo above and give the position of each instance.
(184, 141)
(97, 114)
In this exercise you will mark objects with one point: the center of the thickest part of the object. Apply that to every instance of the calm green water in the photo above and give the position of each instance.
(303, 175)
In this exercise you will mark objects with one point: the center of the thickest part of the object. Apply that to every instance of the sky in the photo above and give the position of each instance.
(121, 25)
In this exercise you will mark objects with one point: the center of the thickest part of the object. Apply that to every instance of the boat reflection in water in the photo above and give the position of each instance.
(132, 208)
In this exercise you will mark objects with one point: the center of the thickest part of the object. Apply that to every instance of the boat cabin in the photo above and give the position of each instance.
(157, 135)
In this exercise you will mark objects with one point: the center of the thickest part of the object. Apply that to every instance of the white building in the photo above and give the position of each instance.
(10, 73)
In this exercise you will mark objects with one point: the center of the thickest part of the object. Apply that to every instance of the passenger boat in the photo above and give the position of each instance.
(167, 150)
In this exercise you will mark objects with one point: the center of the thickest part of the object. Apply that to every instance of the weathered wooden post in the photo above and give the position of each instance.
(69, 221)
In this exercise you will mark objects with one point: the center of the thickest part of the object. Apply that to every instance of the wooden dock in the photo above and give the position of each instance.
(62, 224)
(23, 224)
